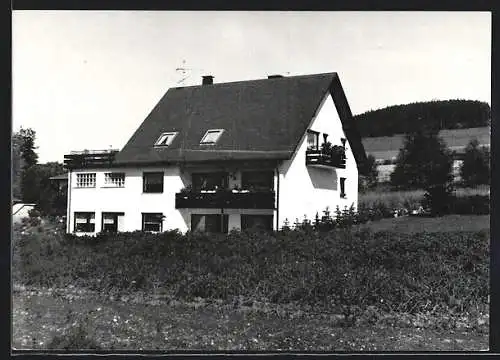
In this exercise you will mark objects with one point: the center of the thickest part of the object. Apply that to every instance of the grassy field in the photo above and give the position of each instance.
(396, 199)
(410, 224)
(135, 321)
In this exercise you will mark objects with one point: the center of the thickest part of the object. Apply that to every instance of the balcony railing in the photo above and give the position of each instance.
(89, 159)
(320, 158)
(225, 199)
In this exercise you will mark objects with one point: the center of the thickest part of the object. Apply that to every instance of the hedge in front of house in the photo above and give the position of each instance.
(328, 270)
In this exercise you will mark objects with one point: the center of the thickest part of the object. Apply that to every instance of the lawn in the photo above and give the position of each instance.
(411, 224)
(397, 198)
(164, 325)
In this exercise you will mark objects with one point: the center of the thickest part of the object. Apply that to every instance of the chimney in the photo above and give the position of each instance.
(274, 76)
(208, 80)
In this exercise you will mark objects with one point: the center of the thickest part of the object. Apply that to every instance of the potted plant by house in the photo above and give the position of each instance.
(337, 152)
(186, 190)
(326, 148)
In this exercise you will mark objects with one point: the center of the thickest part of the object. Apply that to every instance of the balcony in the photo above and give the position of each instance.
(225, 199)
(330, 157)
(89, 159)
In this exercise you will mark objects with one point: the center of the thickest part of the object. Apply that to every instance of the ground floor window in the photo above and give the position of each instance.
(110, 221)
(84, 221)
(152, 222)
(257, 221)
(213, 223)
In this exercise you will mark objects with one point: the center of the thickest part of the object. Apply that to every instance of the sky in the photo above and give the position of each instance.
(87, 79)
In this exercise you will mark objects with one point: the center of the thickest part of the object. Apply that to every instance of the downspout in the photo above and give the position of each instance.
(68, 212)
(277, 198)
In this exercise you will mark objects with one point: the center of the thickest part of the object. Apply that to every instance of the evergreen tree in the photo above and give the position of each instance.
(17, 166)
(425, 163)
(475, 169)
(29, 158)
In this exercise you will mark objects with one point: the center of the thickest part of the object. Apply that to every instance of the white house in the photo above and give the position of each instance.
(20, 211)
(224, 156)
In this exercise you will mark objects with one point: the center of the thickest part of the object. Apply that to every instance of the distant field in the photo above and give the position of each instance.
(450, 223)
(452, 138)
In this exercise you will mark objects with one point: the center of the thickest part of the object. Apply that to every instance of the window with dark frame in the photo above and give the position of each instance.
(312, 140)
(109, 221)
(257, 180)
(342, 187)
(210, 181)
(264, 222)
(152, 182)
(84, 221)
(210, 223)
(152, 222)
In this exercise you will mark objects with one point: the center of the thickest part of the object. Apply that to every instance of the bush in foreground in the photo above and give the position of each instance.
(341, 270)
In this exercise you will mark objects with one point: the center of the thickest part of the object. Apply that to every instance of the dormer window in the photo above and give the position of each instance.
(211, 136)
(165, 139)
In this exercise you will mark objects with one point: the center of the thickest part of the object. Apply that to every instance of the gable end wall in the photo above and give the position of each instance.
(305, 190)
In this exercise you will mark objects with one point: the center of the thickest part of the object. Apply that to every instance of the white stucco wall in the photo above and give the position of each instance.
(305, 190)
(21, 211)
(129, 199)
(133, 202)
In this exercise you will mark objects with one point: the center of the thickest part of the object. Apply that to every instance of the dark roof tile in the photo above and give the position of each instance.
(262, 119)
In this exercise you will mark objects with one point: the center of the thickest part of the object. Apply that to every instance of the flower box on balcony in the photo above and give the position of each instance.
(328, 155)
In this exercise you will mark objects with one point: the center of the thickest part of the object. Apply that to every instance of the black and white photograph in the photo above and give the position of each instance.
(243, 181)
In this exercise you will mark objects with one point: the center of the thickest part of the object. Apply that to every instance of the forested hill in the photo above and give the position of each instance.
(401, 119)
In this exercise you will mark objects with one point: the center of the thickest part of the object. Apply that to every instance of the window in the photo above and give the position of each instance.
(152, 222)
(210, 181)
(211, 136)
(342, 187)
(213, 223)
(264, 222)
(165, 139)
(152, 182)
(86, 180)
(114, 179)
(312, 140)
(110, 221)
(257, 180)
(84, 222)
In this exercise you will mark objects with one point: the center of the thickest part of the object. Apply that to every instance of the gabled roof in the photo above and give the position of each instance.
(262, 119)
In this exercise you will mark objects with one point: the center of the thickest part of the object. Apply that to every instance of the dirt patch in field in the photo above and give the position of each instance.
(127, 324)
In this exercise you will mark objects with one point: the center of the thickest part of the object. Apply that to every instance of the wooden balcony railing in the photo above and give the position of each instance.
(225, 199)
(89, 159)
(319, 158)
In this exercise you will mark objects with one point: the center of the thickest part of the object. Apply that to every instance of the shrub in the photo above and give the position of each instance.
(471, 205)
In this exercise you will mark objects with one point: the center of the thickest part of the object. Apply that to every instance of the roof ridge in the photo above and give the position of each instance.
(333, 73)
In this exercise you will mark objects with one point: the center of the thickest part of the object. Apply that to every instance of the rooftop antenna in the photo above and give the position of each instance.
(185, 72)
